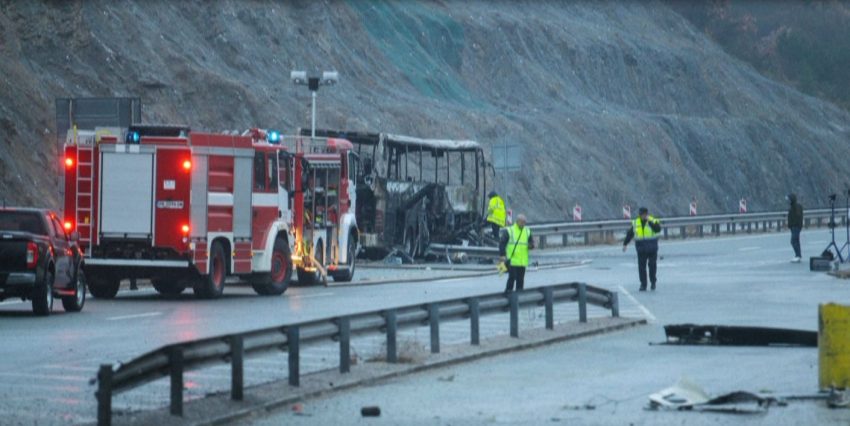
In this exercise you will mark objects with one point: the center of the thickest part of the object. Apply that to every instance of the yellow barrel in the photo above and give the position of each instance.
(834, 346)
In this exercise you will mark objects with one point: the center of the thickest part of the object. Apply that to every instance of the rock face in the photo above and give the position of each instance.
(620, 102)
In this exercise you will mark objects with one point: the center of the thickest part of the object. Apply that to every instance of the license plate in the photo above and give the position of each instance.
(169, 205)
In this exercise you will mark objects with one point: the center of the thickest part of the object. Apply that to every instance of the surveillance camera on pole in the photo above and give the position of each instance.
(328, 78)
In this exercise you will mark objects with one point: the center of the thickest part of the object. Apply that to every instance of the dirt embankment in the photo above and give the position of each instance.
(620, 102)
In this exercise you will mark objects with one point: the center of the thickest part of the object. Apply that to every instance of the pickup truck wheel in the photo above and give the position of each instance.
(104, 288)
(277, 281)
(42, 298)
(75, 303)
(306, 277)
(168, 288)
(212, 285)
(347, 274)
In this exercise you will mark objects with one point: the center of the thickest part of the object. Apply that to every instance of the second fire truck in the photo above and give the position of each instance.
(189, 209)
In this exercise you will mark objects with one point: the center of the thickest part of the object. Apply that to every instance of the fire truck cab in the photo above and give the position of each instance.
(188, 209)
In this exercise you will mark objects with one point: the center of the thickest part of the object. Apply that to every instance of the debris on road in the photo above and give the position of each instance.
(687, 396)
(692, 334)
(373, 411)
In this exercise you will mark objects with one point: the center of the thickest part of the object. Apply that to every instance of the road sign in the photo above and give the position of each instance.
(693, 208)
(742, 205)
(577, 213)
(627, 212)
(507, 157)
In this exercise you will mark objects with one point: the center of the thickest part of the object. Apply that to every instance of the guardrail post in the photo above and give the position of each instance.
(615, 305)
(582, 302)
(665, 233)
(542, 241)
(175, 361)
(749, 227)
(474, 325)
(565, 239)
(683, 231)
(513, 298)
(237, 382)
(587, 238)
(392, 328)
(734, 228)
(104, 395)
(701, 231)
(344, 345)
(293, 343)
(549, 301)
(434, 321)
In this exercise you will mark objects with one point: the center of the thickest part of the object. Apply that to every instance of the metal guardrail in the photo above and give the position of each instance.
(174, 360)
(746, 221)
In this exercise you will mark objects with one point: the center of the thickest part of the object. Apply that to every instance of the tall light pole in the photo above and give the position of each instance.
(328, 78)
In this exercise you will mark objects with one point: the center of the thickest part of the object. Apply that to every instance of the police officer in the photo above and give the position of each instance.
(644, 230)
(514, 245)
(496, 213)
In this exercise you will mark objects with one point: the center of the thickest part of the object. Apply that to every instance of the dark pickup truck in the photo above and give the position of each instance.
(39, 260)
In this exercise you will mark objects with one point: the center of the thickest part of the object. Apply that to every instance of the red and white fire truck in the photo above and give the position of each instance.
(185, 208)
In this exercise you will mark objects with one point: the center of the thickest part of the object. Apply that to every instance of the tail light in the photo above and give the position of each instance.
(185, 229)
(187, 165)
(69, 162)
(68, 225)
(32, 255)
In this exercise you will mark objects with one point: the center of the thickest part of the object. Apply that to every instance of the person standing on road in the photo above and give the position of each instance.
(795, 224)
(514, 245)
(644, 230)
(496, 213)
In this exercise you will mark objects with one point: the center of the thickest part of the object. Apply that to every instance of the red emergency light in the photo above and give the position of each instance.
(68, 225)
(69, 162)
(187, 165)
(185, 229)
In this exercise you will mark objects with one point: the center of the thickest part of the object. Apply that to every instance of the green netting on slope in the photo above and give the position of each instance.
(425, 45)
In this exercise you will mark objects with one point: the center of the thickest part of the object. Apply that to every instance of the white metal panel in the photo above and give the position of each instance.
(242, 176)
(126, 196)
(198, 196)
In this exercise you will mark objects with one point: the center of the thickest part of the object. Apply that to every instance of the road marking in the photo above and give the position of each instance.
(11, 302)
(66, 377)
(640, 306)
(123, 317)
(307, 296)
(749, 248)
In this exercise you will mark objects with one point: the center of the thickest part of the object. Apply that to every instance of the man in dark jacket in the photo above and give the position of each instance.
(795, 224)
(644, 230)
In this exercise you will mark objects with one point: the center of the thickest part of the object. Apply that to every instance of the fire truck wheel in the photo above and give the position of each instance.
(75, 303)
(212, 285)
(278, 280)
(347, 274)
(310, 278)
(104, 288)
(168, 288)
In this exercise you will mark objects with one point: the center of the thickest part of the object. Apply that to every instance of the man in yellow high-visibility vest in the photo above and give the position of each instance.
(514, 245)
(644, 230)
(496, 213)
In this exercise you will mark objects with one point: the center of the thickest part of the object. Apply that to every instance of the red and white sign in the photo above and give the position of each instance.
(510, 217)
(577, 213)
(627, 212)
(742, 205)
(693, 208)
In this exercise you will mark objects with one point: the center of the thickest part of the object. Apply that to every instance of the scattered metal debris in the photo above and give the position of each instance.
(692, 334)
(687, 396)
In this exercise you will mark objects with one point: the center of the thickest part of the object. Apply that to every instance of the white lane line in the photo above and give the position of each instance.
(123, 317)
(749, 248)
(640, 306)
(307, 296)
(11, 302)
(66, 378)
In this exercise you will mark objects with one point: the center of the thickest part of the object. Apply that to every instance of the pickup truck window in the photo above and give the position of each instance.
(22, 222)
(59, 230)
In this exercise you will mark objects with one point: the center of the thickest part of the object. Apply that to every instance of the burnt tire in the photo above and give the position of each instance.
(75, 303)
(347, 274)
(312, 278)
(211, 286)
(103, 288)
(168, 288)
(277, 281)
(42, 297)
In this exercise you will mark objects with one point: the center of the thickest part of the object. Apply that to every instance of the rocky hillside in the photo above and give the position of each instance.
(613, 102)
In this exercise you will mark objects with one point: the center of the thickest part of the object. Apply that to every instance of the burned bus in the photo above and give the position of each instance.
(412, 192)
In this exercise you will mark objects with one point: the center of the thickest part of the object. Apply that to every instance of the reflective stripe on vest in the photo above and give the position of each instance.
(496, 211)
(517, 248)
(644, 231)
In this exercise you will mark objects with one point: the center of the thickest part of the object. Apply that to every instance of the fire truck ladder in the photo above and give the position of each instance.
(85, 171)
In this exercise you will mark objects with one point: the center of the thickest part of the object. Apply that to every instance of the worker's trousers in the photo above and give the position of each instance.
(647, 258)
(795, 240)
(516, 275)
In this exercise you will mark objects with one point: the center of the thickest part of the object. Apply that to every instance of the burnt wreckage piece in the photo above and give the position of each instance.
(692, 334)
